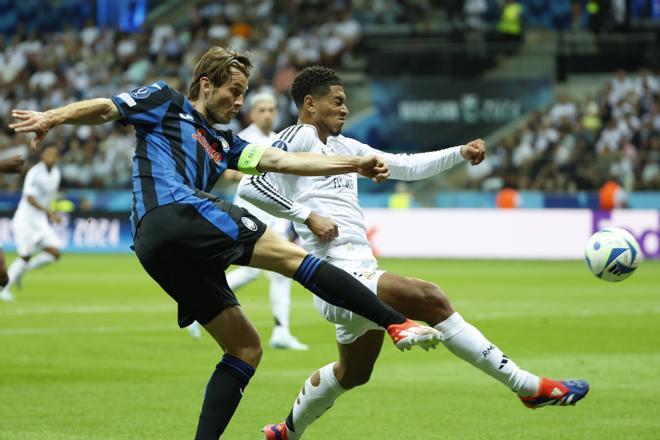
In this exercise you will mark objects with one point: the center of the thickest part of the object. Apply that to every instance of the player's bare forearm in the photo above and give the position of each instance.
(310, 164)
(306, 164)
(89, 112)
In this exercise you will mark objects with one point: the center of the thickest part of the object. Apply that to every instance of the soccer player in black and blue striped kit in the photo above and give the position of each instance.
(185, 238)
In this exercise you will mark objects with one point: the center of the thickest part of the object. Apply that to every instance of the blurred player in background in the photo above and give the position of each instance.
(319, 95)
(11, 165)
(263, 112)
(37, 244)
(186, 238)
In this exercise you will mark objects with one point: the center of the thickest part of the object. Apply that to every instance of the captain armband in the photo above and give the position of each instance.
(249, 159)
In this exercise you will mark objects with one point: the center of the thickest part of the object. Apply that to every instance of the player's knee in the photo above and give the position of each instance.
(55, 253)
(4, 278)
(249, 353)
(435, 301)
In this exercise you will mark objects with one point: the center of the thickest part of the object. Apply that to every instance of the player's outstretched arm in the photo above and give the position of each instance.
(12, 165)
(418, 166)
(310, 164)
(89, 112)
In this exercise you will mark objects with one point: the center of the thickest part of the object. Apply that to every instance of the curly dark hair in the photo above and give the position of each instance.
(314, 81)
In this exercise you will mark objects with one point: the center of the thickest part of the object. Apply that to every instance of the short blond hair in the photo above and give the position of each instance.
(216, 65)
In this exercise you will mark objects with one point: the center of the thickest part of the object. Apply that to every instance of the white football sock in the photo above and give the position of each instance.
(280, 298)
(466, 342)
(39, 260)
(16, 269)
(241, 276)
(313, 401)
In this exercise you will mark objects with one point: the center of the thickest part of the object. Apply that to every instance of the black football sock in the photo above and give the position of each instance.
(223, 393)
(340, 289)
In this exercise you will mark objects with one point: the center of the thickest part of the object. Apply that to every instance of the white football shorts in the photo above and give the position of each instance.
(33, 236)
(348, 325)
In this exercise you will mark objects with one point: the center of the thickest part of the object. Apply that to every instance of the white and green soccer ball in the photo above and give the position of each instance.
(612, 254)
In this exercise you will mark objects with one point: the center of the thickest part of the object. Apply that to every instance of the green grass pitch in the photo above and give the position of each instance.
(91, 351)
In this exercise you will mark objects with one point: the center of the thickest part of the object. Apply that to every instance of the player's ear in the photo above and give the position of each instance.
(309, 104)
(205, 86)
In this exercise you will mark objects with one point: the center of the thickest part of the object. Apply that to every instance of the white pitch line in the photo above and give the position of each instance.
(584, 313)
(83, 310)
(22, 331)
(65, 330)
(8, 310)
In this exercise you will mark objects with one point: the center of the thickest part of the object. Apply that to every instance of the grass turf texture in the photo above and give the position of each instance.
(91, 351)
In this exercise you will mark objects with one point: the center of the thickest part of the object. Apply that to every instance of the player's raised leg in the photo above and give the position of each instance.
(339, 288)
(324, 386)
(426, 302)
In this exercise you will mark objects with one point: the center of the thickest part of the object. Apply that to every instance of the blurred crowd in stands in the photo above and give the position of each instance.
(43, 70)
(569, 147)
(579, 144)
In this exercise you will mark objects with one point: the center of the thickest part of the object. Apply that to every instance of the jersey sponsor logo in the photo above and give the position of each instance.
(140, 93)
(251, 225)
(186, 116)
(127, 99)
(280, 144)
(342, 182)
(211, 149)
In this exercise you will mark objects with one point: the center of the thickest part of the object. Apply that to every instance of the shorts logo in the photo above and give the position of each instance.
(369, 274)
(252, 226)
(140, 93)
(211, 149)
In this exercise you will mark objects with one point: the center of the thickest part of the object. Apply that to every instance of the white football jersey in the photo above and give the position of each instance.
(335, 197)
(43, 185)
(254, 135)
(330, 196)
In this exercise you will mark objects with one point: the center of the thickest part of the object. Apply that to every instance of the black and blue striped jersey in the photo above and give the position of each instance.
(177, 153)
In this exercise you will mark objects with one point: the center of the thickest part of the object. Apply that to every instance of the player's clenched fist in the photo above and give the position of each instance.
(323, 227)
(373, 167)
(474, 151)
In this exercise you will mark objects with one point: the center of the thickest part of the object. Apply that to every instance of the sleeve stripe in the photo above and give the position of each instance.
(289, 137)
(286, 131)
(274, 191)
(266, 183)
(259, 184)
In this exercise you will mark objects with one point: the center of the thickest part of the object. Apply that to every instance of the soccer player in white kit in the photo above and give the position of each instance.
(319, 96)
(263, 111)
(37, 244)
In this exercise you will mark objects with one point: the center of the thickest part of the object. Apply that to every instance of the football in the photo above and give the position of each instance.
(612, 254)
